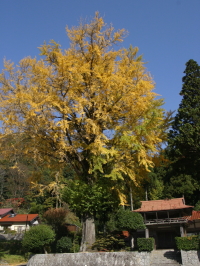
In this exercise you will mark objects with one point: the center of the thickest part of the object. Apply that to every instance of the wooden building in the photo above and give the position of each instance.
(164, 220)
(193, 225)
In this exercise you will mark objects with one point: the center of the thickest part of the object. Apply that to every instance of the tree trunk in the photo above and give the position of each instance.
(131, 197)
(88, 234)
(45, 250)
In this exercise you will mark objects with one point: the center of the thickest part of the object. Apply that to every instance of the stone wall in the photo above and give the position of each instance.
(11, 236)
(190, 258)
(92, 259)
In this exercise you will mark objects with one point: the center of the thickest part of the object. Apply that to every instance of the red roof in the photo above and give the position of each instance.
(125, 233)
(161, 205)
(195, 216)
(5, 210)
(19, 218)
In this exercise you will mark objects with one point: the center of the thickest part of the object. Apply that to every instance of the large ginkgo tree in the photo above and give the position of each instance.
(91, 106)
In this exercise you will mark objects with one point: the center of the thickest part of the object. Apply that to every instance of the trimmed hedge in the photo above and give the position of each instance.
(145, 244)
(187, 243)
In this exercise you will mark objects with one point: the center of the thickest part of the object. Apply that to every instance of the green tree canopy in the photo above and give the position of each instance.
(124, 219)
(184, 138)
(38, 238)
(130, 221)
(85, 199)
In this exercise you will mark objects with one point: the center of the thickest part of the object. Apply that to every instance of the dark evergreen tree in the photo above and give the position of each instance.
(184, 139)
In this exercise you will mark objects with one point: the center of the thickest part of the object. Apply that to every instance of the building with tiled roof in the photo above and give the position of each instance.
(5, 211)
(18, 222)
(163, 205)
(165, 219)
(195, 216)
(193, 226)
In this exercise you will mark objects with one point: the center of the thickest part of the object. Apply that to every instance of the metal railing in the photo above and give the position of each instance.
(166, 221)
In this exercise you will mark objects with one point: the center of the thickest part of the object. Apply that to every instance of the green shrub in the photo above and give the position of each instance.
(109, 243)
(76, 243)
(38, 238)
(9, 231)
(187, 243)
(64, 245)
(127, 220)
(145, 244)
(12, 247)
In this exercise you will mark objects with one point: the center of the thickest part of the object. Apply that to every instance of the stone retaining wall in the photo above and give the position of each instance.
(18, 236)
(92, 259)
(190, 258)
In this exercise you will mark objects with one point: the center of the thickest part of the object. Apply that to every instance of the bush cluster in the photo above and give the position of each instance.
(64, 245)
(12, 246)
(9, 231)
(188, 243)
(111, 242)
(127, 220)
(145, 244)
(38, 238)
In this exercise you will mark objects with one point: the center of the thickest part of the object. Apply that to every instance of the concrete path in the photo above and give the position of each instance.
(5, 263)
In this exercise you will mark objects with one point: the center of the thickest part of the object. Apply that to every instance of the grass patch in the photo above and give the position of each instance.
(8, 254)
(14, 259)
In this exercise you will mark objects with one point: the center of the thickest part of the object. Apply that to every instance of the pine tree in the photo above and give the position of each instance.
(184, 138)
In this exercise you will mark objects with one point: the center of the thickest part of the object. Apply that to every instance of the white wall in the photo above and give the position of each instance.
(18, 227)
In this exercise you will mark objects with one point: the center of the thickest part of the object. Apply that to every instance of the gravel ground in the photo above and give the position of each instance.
(3, 263)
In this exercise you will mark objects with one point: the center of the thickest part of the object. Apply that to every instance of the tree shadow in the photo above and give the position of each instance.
(173, 255)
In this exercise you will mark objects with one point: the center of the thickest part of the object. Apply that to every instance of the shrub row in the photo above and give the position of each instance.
(15, 247)
(145, 244)
(115, 243)
(188, 243)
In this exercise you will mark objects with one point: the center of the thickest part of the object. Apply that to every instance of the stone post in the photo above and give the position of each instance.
(182, 230)
(146, 233)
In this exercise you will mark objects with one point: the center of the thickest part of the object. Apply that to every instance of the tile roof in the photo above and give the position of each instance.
(159, 205)
(195, 216)
(19, 218)
(5, 210)
(125, 233)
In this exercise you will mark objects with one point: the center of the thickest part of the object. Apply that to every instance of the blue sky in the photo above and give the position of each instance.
(166, 32)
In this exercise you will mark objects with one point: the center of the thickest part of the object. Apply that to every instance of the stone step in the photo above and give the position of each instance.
(165, 264)
(165, 257)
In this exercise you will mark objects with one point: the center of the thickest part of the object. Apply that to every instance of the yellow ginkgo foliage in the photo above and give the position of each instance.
(91, 106)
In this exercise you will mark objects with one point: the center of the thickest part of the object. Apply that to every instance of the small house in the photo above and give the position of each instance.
(18, 222)
(6, 211)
